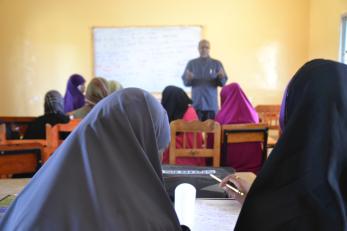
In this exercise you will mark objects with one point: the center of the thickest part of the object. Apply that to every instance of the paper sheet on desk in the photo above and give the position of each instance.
(215, 214)
(5, 204)
(213, 188)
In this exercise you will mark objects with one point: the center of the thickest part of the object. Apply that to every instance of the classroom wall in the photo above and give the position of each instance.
(42, 42)
(325, 28)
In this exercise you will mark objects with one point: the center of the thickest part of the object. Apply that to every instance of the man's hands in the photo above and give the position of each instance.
(221, 73)
(190, 75)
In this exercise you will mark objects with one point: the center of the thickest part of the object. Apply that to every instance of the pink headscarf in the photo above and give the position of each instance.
(237, 109)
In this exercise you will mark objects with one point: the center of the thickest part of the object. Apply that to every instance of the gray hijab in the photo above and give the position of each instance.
(105, 176)
(54, 103)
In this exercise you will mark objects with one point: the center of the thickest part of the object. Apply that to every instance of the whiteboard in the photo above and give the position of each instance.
(150, 58)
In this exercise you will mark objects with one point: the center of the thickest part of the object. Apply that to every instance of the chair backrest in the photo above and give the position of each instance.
(245, 133)
(17, 119)
(182, 127)
(269, 114)
(5, 141)
(20, 158)
(19, 123)
(53, 133)
(49, 144)
(2, 133)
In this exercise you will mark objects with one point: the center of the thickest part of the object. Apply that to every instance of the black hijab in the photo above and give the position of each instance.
(303, 184)
(175, 101)
(54, 114)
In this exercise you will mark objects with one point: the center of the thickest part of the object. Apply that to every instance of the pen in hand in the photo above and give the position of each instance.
(228, 185)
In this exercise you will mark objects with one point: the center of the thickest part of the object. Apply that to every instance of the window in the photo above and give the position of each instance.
(344, 40)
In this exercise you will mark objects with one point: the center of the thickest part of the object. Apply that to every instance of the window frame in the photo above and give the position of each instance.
(343, 42)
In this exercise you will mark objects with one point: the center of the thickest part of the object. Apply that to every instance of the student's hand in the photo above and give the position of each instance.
(240, 183)
(221, 73)
(190, 75)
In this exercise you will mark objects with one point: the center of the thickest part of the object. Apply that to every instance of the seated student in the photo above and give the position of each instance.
(97, 90)
(74, 97)
(114, 85)
(105, 176)
(302, 185)
(236, 109)
(178, 106)
(54, 114)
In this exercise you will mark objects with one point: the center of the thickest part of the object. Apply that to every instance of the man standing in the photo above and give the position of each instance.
(204, 75)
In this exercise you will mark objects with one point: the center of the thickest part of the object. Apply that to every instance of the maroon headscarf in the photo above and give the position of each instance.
(237, 109)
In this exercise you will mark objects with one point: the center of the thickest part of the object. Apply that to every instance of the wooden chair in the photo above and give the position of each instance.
(194, 127)
(53, 133)
(3, 133)
(245, 133)
(17, 119)
(20, 123)
(49, 144)
(20, 158)
(270, 114)
(42, 142)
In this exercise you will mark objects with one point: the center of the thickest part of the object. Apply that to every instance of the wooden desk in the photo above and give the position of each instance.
(219, 214)
(210, 214)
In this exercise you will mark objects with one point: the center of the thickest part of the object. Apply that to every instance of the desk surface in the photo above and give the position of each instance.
(214, 214)
(11, 186)
(210, 214)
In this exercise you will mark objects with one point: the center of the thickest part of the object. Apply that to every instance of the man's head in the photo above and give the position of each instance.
(204, 48)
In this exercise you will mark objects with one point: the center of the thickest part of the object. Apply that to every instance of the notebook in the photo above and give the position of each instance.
(5, 202)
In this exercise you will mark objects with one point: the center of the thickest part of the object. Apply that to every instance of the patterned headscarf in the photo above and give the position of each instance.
(53, 102)
(114, 85)
(97, 90)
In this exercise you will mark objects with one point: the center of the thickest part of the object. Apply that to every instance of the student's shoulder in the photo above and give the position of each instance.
(76, 113)
(59, 118)
(39, 119)
(80, 113)
(52, 119)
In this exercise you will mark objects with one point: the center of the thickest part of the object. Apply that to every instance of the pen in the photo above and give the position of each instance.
(228, 185)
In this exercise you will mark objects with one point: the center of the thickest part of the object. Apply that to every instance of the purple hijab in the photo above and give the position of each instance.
(283, 110)
(237, 109)
(74, 98)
